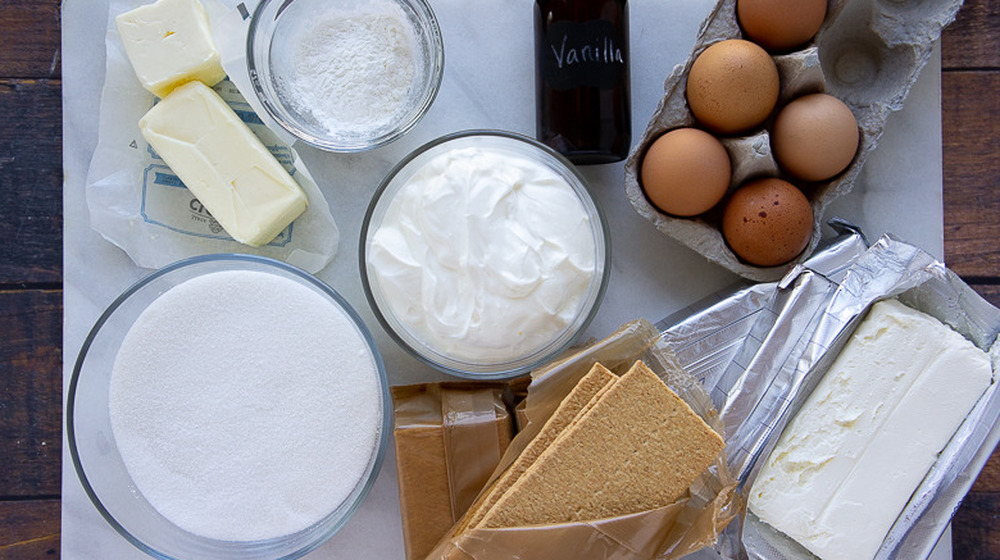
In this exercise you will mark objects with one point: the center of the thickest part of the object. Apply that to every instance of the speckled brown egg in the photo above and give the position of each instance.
(732, 86)
(780, 25)
(815, 137)
(767, 222)
(685, 172)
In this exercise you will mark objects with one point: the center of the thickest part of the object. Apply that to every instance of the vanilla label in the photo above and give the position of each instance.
(573, 54)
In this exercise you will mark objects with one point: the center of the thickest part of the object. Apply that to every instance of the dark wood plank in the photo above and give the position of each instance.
(34, 51)
(971, 126)
(991, 293)
(30, 181)
(974, 529)
(971, 130)
(989, 479)
(30, 393)
(30, 529)
(973, 39)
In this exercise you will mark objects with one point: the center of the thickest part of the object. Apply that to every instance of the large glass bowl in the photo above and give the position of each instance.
(276, 28)
(97, 460)
(518, 146)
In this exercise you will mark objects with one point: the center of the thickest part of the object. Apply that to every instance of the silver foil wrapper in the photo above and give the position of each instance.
(760, 349)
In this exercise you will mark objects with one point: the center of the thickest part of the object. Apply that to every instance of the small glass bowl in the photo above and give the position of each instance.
(515, 145)
(276, 28)
(100, 467)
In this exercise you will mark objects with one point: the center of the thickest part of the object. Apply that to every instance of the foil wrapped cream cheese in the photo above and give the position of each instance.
(485, 255)
(849, 461)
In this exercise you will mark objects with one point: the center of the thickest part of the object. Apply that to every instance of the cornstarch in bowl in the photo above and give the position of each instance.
(343, 75)
(353, 69)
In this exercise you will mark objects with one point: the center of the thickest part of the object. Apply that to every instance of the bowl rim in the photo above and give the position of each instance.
(375, 461)
(435, 44)
(602, 231)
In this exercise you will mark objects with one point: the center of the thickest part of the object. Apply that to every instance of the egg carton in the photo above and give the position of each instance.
(868, 54)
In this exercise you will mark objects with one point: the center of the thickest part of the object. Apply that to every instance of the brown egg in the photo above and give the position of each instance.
(767, 222)
(732, 86)
(780, 25)
(815, 137)
(685, 172)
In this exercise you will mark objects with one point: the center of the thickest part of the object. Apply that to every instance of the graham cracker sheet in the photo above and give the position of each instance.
(587, 474)
(682, 524)
(593, 384)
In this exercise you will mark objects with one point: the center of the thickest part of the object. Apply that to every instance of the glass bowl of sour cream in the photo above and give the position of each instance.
(344, 75)
(228, 406)
(484, 255)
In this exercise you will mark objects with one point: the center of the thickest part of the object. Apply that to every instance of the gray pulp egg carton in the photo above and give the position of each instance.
(868, 54)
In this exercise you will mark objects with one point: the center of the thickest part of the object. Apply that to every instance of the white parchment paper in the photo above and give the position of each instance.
(488, 83)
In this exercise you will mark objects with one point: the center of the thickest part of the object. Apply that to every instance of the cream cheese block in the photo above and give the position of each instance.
(169, 43)
(223, 163)
(847, 464)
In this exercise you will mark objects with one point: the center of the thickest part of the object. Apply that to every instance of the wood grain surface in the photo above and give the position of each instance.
(31, 256)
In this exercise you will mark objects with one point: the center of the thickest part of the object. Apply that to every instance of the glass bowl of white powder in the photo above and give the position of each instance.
(345, 75)
(484, 255)
(228, 406)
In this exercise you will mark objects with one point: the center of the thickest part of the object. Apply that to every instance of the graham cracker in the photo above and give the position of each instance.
(639, 447)
(597, 379)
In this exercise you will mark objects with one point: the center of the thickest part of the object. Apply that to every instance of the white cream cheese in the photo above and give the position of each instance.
(483, 255)
(849, 461)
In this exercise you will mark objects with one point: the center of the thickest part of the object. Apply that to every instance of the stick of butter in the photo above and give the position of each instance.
(170, 43)
(223, 163)
(847, 464)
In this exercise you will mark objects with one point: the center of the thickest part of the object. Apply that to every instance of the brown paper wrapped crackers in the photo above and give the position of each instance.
(449, 438)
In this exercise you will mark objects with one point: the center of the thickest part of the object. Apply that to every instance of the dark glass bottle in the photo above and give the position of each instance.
(582, 78)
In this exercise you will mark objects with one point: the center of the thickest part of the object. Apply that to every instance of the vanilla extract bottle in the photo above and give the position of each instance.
(582, 79)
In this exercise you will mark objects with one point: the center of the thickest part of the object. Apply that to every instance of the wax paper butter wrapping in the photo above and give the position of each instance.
(692, 523)
(449, 439)
(139, 204)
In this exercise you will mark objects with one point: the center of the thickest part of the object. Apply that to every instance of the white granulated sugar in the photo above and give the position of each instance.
(245, 405)
(354, 69)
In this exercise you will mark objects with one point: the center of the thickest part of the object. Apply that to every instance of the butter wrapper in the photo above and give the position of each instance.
(792, 330)
(137, 203)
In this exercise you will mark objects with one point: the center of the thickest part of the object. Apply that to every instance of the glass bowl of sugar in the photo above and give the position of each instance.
(228, 406)
(345, 75)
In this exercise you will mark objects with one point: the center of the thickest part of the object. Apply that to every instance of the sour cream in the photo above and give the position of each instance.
(485, 256)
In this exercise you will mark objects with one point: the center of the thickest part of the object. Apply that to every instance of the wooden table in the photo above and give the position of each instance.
(31, 255)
